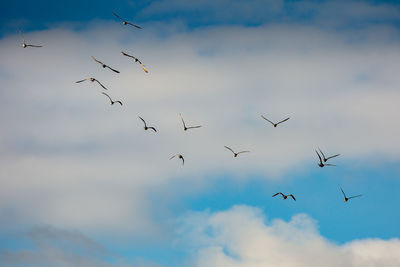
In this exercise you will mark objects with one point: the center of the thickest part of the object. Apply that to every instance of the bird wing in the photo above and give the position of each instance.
(107, 96)
(173, 156)
(230, 149)
(292, 197)
(330, 165)
(119, 102)
(143, 121)
(114, 70)
(322, 154)
(22, 36)
(81, 80)
(332, 156)
(278, 194)
(320, 160)
(144, 68)
(267, 119)
(184, 125)
(125, 54)
(134, 25)
(244, 151)
(342, 192)
(98, 61)
(192, 127)
(118, 16)
(283, 120)
(154, 129)
(101, 84)
(34, 45)
(183, 161)
(354, 196)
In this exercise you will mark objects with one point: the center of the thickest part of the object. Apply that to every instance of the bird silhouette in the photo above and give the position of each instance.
(347, 198)
(111, 101)
(180, 157)
(321, 164)
(285, 196)
(25, 45)
(274, 124)
(145, 125)
(92, 80)
(126, 22)
(326, 159)
(104, 65)
(136, 60)
(234, 153)
(184, 125)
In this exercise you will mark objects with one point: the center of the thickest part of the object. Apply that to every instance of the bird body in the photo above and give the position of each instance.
(284, 196)
(273, 123)
(234, 153)
(124, 22)
(145, 125)
(25, 45)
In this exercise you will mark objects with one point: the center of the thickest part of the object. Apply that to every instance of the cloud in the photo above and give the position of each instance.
(56, 247)
(70, 159)
(243, 237)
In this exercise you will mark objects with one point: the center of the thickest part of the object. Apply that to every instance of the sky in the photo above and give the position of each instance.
(83, 184)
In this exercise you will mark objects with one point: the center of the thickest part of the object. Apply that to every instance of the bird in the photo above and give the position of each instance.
(25, 45)
(111, 101)
(179, 156)
(184, 125)
(136, 60)
(274, 124)
(92, 80)
(285, 196)
(104, 65)
(320, 161)
(347, 198)
(234, 153)
(145, 125)
(326, 159)
(126, 22)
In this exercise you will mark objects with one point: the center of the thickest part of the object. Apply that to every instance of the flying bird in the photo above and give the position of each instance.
(126, 22)
(145, 125)
(136, 60)
(234, 153)
(347, 198)
(321, 164)
(92, 80)
(326, 159)
(104, 65)
(285, 196)
(111, 101)
(180, 157)
(274, 124)
(25, 45)
(184, 125)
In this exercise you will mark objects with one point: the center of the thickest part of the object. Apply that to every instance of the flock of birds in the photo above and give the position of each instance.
(322, 160)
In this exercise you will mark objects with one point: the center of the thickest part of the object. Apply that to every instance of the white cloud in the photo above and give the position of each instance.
(70, 159)
(243, 237)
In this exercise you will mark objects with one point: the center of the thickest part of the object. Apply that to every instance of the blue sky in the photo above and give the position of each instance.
(83, 185)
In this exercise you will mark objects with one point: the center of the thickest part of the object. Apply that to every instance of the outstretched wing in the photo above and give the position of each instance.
(143, 67)
(230, 149)
(342, 192)
(101, 84)
(125, 54)
(332, 156)
(22, 36)
(320, 160)
(98, 61)
(119, 102)
(283, 120)
(173, 156)
(107, 96)
(267, 120)
(183, 160)
(330, 165)
(322, 154)
(154, 129)
(81, 81)
(114, 70)
(118, 16)
(34, 45)
(143, 121)
(278, 194)
(184, 125)
(193, 127)
(134, 25)
(292, 197)
(244, 151)
(354, 196)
